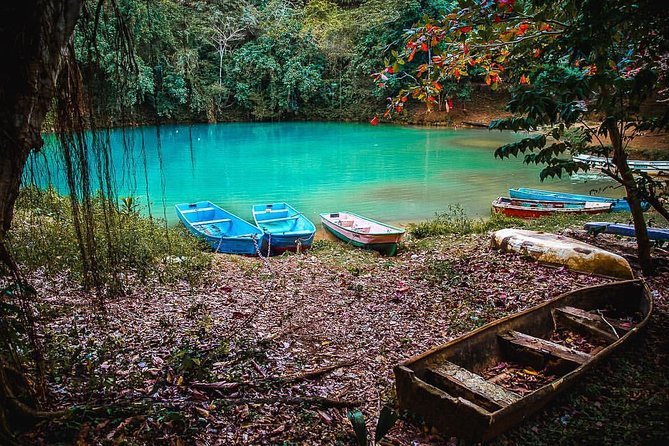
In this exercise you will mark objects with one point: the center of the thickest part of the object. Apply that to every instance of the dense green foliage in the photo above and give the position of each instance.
(43, 237)
(260, 59)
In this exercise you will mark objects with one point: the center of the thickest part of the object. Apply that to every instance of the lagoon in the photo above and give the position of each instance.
(393, 173)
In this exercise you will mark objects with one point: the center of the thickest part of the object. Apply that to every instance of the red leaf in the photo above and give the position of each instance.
(375, 120)
(465, 29)
(423, 46)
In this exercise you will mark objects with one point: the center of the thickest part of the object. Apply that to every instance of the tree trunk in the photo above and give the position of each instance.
(34, 35)
(633, 198)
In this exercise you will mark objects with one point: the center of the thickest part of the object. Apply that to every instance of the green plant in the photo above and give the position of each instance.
(387, 419)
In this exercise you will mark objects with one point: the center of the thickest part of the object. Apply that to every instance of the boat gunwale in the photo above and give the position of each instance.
(396, 230)
(289, 208)
(193, 225)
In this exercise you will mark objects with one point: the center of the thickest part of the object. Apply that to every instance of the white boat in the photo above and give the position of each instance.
(560, 250)
(656, 168)
(363, 232)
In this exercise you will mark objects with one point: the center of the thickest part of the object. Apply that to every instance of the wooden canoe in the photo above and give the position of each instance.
(285, 228)
(221, 230)
(557, 249)
(363, 232)
(626, 230)
(469, 387)
(522, 208)
(618, 204)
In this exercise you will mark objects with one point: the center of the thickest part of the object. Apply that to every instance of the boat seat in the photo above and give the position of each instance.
(272, 220)
(461, 382)
(190, 211)
(209, 222)
(590, 323)
(346, 223)
(539, 352)
(363, 229)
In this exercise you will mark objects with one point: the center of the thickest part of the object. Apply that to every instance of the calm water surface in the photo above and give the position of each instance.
(393, 173)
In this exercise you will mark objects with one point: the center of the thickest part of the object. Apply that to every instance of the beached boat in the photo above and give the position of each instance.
(481, 384)
(285, 228)
(222, 230)
(554, 249)
(627, 230)
(656, 168)
(618, 204)
(363, 232)
(521, 208)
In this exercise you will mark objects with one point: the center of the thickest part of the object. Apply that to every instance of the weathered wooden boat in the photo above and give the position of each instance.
(220, 229)
(363, 232)
(481, 384)
(655, 168)
(554, 249)
(618, 204)
(521, 208)
(626, 230)
(285, 228)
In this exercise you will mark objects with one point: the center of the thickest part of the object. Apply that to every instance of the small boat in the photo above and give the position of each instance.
(222, 230)
(363, 232)
(521, 208)
(483, 383)
(554, 249)
(285, 228)
(627, 230)
(618, 204)
(655, 168)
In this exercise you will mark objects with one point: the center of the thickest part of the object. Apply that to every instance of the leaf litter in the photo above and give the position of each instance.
(248, 357)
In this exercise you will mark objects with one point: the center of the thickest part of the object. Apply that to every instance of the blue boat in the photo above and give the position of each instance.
(285, 228)
(619, 204)
(223, 231)
(626, 230)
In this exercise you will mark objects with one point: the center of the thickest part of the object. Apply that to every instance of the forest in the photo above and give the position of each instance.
(152, 315)
(208, 61)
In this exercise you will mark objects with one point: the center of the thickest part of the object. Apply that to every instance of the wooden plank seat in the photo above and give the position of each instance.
(272, 220)
(461, 382)
(540, 353)
(590, 323)
(190, 211)
(209, 222)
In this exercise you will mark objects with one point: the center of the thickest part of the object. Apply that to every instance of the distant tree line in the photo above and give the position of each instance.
(221, 60)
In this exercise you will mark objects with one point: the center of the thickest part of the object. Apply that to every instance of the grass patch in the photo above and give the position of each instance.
(455, 221)
(127, 245)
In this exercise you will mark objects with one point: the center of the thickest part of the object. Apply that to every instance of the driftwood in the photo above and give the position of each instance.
(294, 400)
(223, 386)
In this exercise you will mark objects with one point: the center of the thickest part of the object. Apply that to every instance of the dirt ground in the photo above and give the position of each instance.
(275, 352)
(488, 106)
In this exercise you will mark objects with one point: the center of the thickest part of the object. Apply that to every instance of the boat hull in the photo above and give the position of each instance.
(284, 227)
(223, 231)
(626, 230)
(556, 249)
(363, 232)
(618, 204)
(455, 412)
(522, 208)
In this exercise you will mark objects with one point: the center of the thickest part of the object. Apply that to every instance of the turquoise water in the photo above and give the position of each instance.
(393, 173)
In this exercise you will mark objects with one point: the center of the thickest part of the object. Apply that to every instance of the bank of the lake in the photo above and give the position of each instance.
(216, 362)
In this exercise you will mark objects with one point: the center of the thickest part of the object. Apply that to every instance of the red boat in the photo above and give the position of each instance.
(521, 208)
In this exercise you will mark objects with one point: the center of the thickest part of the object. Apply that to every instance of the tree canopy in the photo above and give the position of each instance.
(566, 64)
